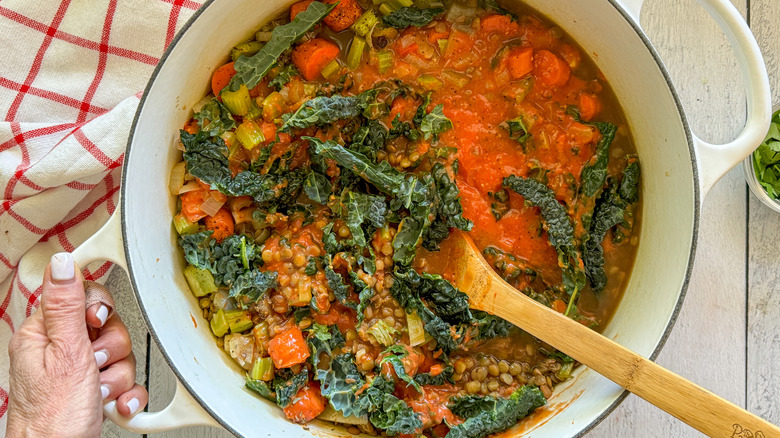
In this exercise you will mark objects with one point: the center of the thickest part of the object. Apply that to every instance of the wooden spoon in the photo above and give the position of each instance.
(687, 401)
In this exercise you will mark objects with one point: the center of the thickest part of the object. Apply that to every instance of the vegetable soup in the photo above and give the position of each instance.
(321, 180)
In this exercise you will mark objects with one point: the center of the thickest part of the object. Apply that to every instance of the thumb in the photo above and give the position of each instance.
(63, 301)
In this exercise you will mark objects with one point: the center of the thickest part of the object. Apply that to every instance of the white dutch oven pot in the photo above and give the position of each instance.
(677, 170)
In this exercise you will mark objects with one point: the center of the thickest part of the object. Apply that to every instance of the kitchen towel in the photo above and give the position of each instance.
(71, 77)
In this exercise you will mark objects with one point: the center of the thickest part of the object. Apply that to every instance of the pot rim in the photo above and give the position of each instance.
(587, 428)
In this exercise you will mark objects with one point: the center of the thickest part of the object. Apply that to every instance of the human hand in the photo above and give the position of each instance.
(59, 378)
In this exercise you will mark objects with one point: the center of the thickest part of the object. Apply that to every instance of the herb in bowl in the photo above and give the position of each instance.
(766, 160)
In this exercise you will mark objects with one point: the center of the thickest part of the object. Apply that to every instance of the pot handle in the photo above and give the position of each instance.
(183, 410)
(715, 160)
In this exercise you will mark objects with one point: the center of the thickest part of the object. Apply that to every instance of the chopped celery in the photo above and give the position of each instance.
(383, 332)
(364, 24)
(565, 371)
(442, 44)
(229, 137)
(416, 330)
(219, 325)
(263, 369)
(331, 69)
(385, 58)
(254, 112)
(429, 82)
(273, 106)
(183, 225)
(237, 102)
(386, 9)
(247, 49)
(355, 54)
(459, 79)
(398, 4)
(310, 90)
(249, 134)
(378, 2)
(176, 180)
(238, 320)
(200, 280)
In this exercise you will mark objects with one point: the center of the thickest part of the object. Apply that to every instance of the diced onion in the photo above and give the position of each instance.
(220, 300)
(176, 181)
(189, 187)
(211, 205)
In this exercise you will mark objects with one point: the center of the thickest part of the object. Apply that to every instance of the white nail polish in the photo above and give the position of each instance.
(133, 405)
(62, 266)
(102, 314)
(101, 357)
(104, 391)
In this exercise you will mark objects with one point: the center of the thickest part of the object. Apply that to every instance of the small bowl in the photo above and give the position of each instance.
(752, 179)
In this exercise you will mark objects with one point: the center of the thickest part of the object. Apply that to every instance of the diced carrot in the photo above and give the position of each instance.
(343, 15)
(458, 42)
(589, 106)
(499, 23)
(306, 405)
(192, 127)
(191, 202)
(550, 70)
(288, 348)
(571, 55)
(313, 55)
(435, 35)
(299, 7)
(436, 370)
(411, 48)
(269, 131)
(404, 70)
(440, 430)
(221, 224)
(559, 306)
(520, 61)
(222, 77)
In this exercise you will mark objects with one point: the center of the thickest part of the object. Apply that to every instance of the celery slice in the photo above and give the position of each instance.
(385, 58)
(364, 24)
(238, 320)
(355, 54)
(249, 134)
(176, 180)
(330, 69)
(248, 48)
(273, 106)
(237, 102)
(401, 3)
(429, 82)
(200, 280)
(386, 9)
(263, 369)
(184, 226)
(219, 325)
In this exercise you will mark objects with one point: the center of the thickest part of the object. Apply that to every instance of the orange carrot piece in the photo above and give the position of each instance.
(313, 55)
(288, 348)
(499, 23)
(589, 106)
(343, 15)
(221, 224)
(269, 132)
(520, 61)
(434, 35)
(299, 7)
(191, 202)
(411, 48)
(550, 70)
(192, 127)
(306, 405)
(559, 306)
(222, 77)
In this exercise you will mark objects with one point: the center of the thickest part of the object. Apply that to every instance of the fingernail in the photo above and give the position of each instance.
(102, 314)
(62, 267)
(133, 405)
(101, 357)
(104, 391)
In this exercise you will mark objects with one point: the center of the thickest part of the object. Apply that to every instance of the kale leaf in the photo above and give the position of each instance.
(392, 357)
(214, 118)
(284, 76)
(340, 383)
(253, 284)
(435, 123)
(251, 70)
(411, 16)
(490, 326)
(517, 130)
(369, 139)
(336, 284)
(227, 261)
(629, 185)
(196, 249)
(324, 110)
(594, 175)
(489, 415)
(361, 210)
(317, 187)
(261, 388)
(287, 389)
(445, 376)
(409, 236)
(449, 210)
(396, 417)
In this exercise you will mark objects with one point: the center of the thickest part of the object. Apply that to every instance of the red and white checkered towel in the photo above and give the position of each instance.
(71, 75)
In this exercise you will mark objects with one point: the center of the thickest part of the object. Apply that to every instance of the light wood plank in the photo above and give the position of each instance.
(707, 345)
(763, 383)
(127, 308)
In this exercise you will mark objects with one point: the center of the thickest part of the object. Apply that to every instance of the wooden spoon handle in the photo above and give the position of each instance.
(692, 404)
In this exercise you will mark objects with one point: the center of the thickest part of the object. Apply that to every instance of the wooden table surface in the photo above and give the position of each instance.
(727, 337)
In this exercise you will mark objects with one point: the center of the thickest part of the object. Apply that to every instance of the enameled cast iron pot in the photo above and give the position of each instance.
(677, 169)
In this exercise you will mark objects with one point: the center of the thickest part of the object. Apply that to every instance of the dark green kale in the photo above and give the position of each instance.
(325, 110)
(410, 235)
(422, 110)
(214, 119)
(440, 379)
(340, 383)
(341, 290)
(365, 293)
(517, 130)
(489, 415)
(253, 284)
(287, 389)
(396, 417)
(322, 340)
(594, 175)
(251, 70)
(444, 299)
(411, 16)
(196, 249)
(449, 211)
(227, 261)
(435, 123)
(558, 226)
(317, 187)
(629, 185)
(392, 357)
(261, 388)
(403, 129)
(285, 75)
(490, 326)
(360, 211)
(369, 139)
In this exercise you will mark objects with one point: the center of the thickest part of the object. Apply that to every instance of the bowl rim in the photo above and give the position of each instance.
(752, 179)
(697, 196)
